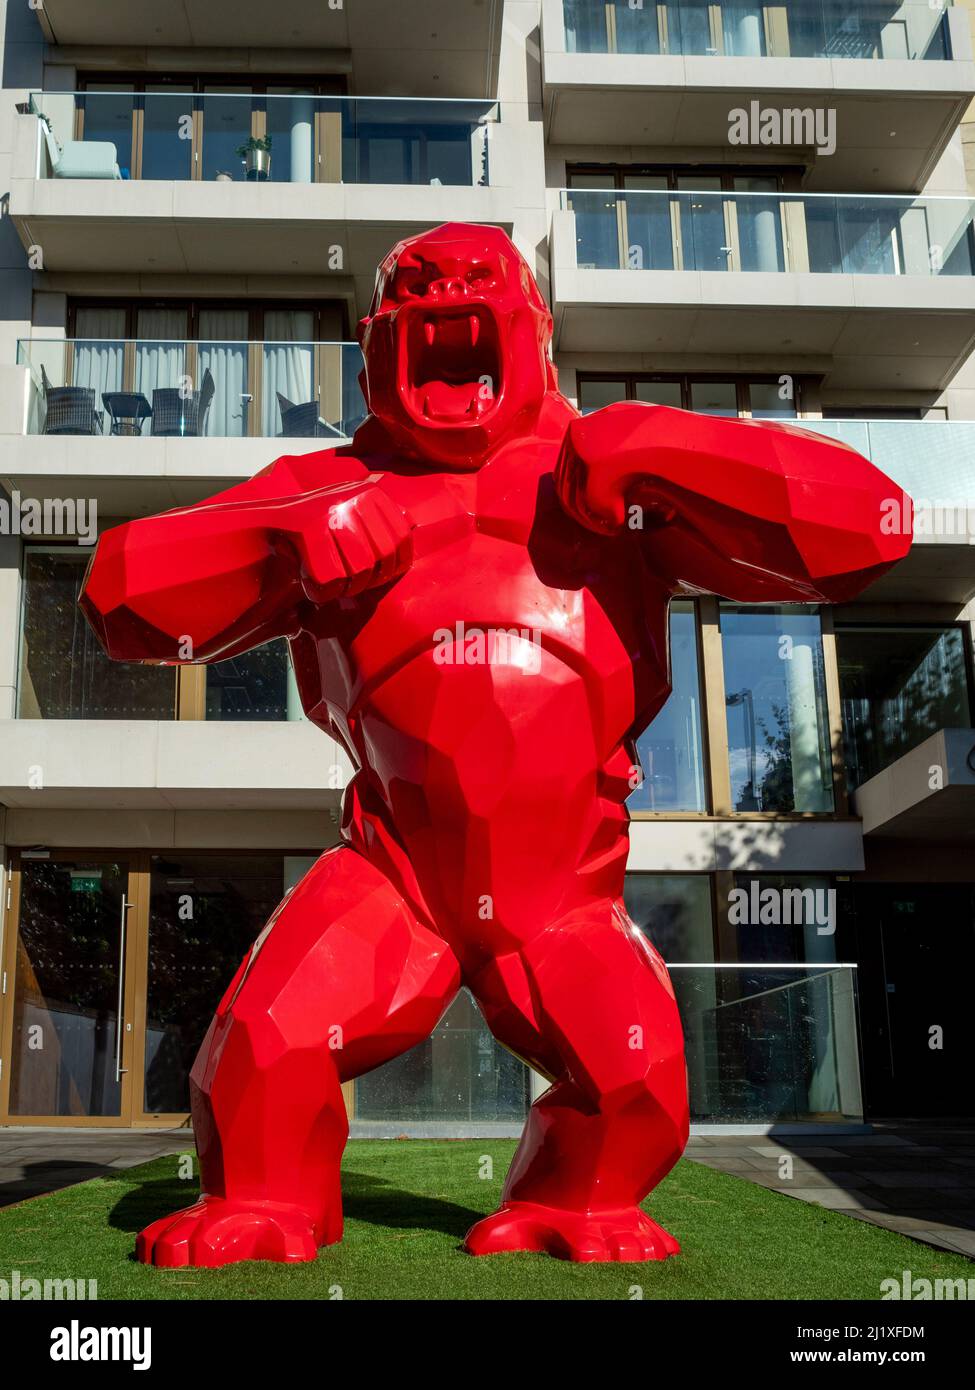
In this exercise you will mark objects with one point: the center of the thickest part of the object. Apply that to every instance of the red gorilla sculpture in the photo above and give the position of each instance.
(477, 615)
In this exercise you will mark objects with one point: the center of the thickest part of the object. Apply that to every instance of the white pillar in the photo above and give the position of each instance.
(302, 144)
(809, 790)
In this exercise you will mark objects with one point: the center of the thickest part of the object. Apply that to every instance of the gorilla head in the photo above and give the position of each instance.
(456, 345)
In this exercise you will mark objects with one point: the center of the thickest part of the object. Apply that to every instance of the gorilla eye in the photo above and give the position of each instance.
(478, 275)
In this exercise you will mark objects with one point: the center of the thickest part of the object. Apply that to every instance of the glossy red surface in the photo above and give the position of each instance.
(475, 592)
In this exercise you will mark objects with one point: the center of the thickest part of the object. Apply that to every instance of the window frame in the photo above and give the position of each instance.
(803, 385)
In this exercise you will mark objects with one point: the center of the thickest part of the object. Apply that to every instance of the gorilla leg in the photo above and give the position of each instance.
(343, 978)
(589, 1002)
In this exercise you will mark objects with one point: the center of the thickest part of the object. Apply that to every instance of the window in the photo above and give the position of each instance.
(783, 919)
(64, 674)
(205, 911)
(898, 685)
(191, 126)
(677, 218)
(760, 398)
(671, 749)
(257, 368)
(775, 693)
(256, 685)
(674, 911)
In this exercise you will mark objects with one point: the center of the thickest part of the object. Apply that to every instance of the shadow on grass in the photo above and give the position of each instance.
(49, 1175)
(366, 1198)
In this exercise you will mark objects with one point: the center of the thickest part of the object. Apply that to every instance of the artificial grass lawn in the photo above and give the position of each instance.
(408, 1204)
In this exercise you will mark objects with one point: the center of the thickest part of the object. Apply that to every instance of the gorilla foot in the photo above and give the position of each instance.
(622, 1235)
(220, 1231)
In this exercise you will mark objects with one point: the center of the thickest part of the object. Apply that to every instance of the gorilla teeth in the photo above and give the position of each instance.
(475, 323)
(429, 332)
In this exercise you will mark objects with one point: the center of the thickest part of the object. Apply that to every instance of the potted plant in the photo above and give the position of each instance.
(256, 154)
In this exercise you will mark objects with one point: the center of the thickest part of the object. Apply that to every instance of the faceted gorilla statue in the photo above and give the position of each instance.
(475, 593)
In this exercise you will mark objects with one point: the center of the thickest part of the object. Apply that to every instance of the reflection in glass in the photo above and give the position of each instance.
(593, 395)
(649, 233)
(204, 913)
(108, 116)
(596, 218)
(768, 400)
(226, 126)
(714, 397)
(64, 674)
(783, 919)
(660, 393)
(165, 155)
(251, 686)
(392, 142)
(917, 29)
(458, 1073)
(674, 911)
(704, 238)
(770, 1044)
(670, 750)
(778, 731)
(898, 686)
(66, 989)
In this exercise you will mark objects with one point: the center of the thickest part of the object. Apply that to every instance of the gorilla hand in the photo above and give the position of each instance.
(347, 539)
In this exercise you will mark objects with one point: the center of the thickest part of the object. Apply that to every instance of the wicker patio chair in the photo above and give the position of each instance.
(176, 414)
(70, 409)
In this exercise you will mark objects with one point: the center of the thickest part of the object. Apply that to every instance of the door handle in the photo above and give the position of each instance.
(119, 1069)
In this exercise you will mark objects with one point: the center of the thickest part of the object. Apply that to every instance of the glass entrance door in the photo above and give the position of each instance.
(67, 984)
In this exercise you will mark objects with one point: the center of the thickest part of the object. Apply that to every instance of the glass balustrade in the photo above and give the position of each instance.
(202, 389)
(799, 29)
(221, 136)
(823, 234)
(933, 460)
(770, 1042)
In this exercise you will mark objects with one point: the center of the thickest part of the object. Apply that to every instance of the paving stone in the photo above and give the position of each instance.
(933, 1177)
(799, 1150)
(835, 1200)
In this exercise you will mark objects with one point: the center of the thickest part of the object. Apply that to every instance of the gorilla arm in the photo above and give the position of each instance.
(754, 511)
(213, 580)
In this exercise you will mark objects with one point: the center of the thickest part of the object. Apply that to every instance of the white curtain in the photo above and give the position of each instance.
(98, 353)
(223, 349)
(160, 355)
(289, 357)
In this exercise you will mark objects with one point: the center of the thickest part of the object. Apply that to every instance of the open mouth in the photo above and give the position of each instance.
(452, 364)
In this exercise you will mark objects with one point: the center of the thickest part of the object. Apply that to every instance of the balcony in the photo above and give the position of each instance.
(176, 766)
(934, 461)
(658, 76)
(410, 47)
(880, 290)
(223, 184)
(904, 801)
(150, 424)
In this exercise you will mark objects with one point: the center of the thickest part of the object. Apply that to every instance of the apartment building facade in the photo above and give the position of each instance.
(753, 210)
